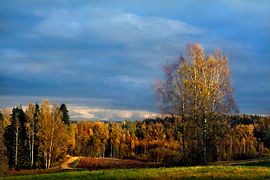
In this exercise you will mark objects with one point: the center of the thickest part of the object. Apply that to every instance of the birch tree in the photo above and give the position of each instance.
(32, 126)
(30, 131)
(15, 127)
(52, 133)
(198, 88)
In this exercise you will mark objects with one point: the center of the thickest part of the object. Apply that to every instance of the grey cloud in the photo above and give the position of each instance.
(115, 52)
(110, 25)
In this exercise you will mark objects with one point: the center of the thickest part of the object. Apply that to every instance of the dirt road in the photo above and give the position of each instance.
(66, 164)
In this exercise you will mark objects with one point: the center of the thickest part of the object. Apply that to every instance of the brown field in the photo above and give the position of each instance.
(111, 163)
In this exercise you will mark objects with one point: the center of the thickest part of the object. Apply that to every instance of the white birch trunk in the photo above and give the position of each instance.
(32, 147)
(50, 149)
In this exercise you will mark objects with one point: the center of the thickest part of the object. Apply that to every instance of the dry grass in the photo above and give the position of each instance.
(111, 163)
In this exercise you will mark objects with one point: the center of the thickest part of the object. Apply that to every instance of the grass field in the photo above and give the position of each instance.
(207, 172)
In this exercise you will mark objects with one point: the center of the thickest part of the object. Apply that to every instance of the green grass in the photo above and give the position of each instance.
(207, 172)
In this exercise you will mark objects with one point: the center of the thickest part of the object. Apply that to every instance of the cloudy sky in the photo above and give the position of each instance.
(102, 58)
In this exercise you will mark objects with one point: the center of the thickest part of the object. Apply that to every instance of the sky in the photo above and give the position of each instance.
(102, 58)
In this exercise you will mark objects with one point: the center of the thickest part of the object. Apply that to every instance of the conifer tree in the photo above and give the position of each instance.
(64, 110)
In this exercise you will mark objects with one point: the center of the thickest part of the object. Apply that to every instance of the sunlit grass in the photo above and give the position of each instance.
(208, 172)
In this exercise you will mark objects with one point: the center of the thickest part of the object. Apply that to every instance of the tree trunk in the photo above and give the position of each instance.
(45, 159)
(104, 147)
(32, 147)
(49, 160)
(111, 149)
(50, 149)
(204, 141)
(30, 150)
(183, 136)
(16, 145)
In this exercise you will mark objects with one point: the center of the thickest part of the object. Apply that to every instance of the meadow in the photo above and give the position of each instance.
(198, 172)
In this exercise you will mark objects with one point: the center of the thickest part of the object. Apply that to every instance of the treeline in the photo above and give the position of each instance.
(42, 135)
(160, 140)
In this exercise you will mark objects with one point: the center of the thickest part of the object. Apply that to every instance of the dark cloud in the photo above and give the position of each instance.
(87, 50)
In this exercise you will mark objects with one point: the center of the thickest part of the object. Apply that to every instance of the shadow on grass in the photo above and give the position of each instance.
(263, 164)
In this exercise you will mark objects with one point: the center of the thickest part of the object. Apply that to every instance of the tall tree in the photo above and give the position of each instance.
(64, 110)
(199, 89)
(36, 138)
(3, 157)
(32, 126)
(52, 134)
(15, 139)
(12, 138)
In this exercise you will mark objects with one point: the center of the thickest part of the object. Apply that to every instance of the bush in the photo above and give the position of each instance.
(142, 157)
(158, 154)
(166, 156)
(173, 159)
(252, 152)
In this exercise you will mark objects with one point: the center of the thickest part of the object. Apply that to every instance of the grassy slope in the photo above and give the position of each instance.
(234, 172)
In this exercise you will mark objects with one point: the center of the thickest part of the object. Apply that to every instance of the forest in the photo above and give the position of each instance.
(42, 135)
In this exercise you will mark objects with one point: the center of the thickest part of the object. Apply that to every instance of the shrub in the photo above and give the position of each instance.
(173, 158)
(142, 157)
